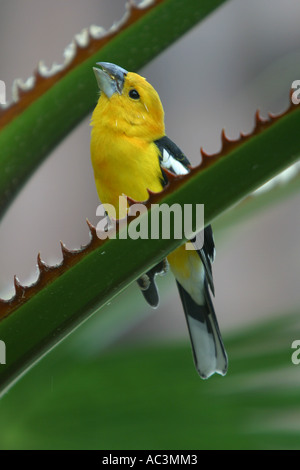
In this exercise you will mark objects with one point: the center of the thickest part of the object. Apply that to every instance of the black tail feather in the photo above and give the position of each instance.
(208, 350)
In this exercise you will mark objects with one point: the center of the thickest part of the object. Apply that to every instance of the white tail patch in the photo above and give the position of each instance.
(208, 352)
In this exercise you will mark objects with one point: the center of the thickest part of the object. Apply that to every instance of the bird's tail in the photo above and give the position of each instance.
(208, 349)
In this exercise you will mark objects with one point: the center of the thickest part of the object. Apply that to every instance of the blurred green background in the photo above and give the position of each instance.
(125, 379)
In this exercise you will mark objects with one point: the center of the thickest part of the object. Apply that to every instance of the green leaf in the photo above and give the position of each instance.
(150, 397)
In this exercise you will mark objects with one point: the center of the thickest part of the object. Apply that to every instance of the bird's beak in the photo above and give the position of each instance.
(110, 78)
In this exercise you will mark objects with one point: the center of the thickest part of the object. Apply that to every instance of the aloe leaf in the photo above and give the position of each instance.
(52, 103)
(41, 315)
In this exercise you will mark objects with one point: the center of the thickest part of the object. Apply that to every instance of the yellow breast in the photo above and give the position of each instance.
(124, 165)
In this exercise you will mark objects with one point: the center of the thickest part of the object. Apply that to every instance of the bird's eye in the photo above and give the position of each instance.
(134, 94)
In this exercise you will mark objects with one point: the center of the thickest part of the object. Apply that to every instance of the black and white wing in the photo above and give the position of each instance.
(173, 159)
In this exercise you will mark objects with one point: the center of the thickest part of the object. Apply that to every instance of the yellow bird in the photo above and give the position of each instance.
(129, 151)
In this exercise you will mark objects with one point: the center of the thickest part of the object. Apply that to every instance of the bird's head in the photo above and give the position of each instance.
(128, 103)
